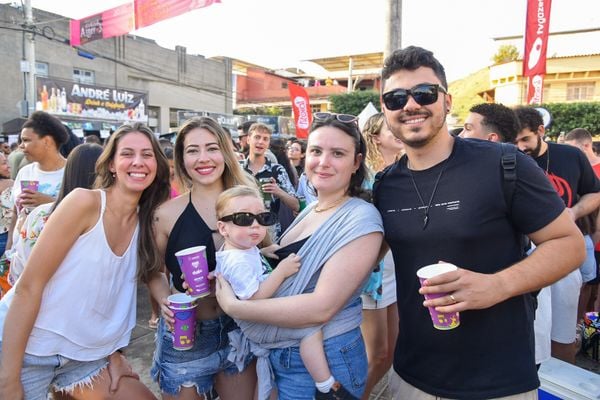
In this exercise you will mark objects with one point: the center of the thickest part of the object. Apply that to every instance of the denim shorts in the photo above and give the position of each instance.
(198, 366)
(347, 361)
(41, 373)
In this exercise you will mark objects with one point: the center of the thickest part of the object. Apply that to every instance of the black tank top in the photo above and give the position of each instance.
(190, 230)
(285, 251)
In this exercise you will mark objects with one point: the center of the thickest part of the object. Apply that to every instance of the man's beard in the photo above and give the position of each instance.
(421, 142)
(535, 153)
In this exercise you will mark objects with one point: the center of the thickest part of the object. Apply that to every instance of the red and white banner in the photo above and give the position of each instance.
(130, 16)
(148, 12)
(537, 27)
(114, 22)
(302, 111)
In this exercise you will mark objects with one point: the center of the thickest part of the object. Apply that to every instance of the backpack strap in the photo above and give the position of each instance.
(509, 172)
(509, 182)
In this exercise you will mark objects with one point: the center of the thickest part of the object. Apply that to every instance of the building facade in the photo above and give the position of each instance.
(572, 70)
(568, 79)
(256, 86)
(168, 80)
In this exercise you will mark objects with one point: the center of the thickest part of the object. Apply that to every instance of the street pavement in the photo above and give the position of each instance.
(141, 349)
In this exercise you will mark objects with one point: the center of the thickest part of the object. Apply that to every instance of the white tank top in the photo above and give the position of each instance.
(88, 306)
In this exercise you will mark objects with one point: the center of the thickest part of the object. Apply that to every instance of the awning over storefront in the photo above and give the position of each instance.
(79, 126)
(13, 126)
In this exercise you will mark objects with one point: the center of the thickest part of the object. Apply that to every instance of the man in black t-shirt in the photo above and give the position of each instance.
(573, 178)
(445, 201)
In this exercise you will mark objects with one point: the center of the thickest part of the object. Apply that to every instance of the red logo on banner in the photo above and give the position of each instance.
(114, 22)
(302, 112)
(535, 89)
(148, 12)
(536, 46)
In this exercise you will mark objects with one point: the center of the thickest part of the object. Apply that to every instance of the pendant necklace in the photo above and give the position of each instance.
(428, 206)
(329, 207)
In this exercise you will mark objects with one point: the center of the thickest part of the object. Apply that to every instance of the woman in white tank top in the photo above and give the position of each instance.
(74, 304)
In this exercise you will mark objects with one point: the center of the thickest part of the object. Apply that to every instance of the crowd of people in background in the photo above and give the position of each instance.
(313, 247)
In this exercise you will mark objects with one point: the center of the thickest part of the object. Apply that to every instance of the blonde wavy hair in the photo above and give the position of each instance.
(370, 131)
(227, 196)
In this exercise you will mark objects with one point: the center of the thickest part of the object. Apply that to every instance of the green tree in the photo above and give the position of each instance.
(568, 116)
(353, 103)
(505, 53)
(259, 111)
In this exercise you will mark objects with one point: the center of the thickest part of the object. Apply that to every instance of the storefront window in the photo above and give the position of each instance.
(84, 76)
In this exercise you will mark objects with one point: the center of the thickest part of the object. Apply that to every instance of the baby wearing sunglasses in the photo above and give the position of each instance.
(242, 221)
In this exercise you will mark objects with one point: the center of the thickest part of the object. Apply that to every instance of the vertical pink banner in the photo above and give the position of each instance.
(114, 22)
(537, 27)
(302, 111)
(148, 12)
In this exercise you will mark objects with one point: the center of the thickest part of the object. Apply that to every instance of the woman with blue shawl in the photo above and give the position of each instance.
(338, 239)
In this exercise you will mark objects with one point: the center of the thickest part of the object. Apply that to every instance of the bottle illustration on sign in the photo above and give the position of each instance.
(141, 110)
(44, 97)
(63, 100)
(52, 105)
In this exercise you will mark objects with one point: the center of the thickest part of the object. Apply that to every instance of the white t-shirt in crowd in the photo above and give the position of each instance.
(49, 182)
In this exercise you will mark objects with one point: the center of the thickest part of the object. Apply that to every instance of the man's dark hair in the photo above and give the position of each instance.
(411, 58)
(529, 118)
(72, 142)
(44, 124)
(245, 127)
(500, 119)
(579, 135)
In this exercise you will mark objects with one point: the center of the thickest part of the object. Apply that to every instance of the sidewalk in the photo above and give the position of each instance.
(141, 349)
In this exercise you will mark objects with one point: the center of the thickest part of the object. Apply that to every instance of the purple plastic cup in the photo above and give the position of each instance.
(184, 308)
(31, 185)
(441, 321)
(194, 267)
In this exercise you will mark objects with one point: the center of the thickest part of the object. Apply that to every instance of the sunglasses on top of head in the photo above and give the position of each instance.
(326, 116)
(423, 94)
(247, 219)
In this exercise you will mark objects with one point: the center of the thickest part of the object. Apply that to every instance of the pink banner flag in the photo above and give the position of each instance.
(114, 22)
(536, 45)
(148, 12)
(302, 111)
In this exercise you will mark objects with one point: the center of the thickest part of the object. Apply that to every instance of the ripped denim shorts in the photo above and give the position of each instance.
(197, 367)
(39, 374)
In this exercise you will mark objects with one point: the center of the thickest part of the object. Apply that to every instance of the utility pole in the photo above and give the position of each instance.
(30, 55)
(393, 32)
(350, 69)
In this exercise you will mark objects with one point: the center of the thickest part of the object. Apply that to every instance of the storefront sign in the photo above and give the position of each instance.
(89, 101)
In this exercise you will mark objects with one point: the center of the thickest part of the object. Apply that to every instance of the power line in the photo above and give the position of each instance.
(65, 41)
